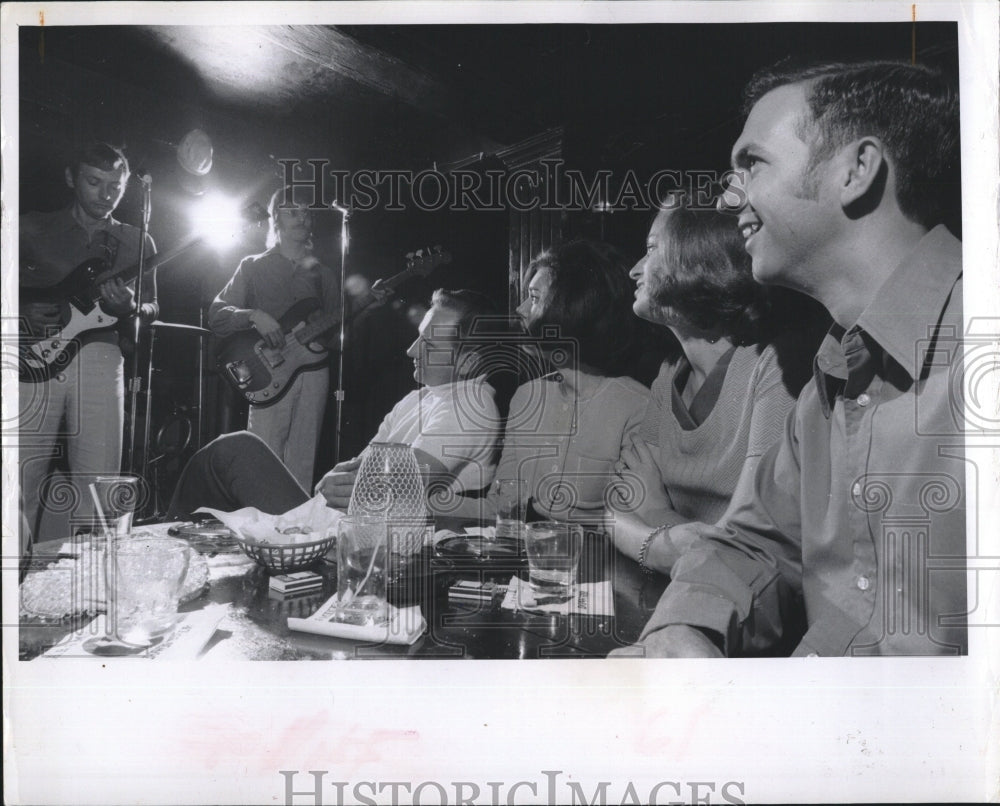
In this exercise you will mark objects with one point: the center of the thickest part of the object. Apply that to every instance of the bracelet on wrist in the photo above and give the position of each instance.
(644, 548)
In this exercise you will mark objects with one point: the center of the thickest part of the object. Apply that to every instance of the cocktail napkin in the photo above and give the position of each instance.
(399, 625)
(590, 599)
(185, 642)
(308, 522)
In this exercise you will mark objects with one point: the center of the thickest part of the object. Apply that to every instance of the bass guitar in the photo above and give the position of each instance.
(263, 374)
(79, 300)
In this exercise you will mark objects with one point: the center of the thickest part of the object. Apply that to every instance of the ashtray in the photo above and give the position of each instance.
(207, 537)
(478, 549)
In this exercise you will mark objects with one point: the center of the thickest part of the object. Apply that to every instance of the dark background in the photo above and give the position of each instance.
(618, 97)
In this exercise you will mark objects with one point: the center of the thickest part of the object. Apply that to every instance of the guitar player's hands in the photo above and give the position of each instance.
(41, 316)
(381, 292)
(337, 485)
(118, 298)
(268, 327)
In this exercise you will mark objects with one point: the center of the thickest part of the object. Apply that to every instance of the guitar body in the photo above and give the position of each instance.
(78, 297)
(41, 357)
(263, 374)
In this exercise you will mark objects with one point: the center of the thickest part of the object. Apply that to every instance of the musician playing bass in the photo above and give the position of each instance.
(263, 288)
(79, 408)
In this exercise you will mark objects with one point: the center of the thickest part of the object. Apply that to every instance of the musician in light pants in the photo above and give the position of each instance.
(77, 415)
(78, 412)
(263, 288)
(291, 426)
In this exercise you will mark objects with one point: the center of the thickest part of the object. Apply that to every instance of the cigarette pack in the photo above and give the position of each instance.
(475, 591)
(296, 582)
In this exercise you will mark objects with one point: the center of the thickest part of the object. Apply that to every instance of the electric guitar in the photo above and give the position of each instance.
(263, 374)
(80, 311)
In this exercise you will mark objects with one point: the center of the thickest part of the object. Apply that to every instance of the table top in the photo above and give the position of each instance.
(255, 627)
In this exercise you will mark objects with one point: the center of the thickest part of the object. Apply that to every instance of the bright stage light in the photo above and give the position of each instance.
(217, 220)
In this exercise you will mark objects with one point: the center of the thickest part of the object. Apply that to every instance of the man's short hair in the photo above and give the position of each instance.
(911, 108)
(470, 306)
(100, 155)
(283, 197)
(291, 196)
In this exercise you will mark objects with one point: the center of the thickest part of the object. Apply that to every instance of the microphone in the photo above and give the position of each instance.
(338, 207)
(144, 176)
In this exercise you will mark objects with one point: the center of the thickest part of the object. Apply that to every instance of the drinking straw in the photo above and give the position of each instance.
(100, 510)
(368, 573)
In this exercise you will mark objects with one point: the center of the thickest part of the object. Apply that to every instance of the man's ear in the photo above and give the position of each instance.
(69, 177)
(864, 171)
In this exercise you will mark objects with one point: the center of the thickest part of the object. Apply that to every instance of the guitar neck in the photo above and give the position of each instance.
(320, 325)
(152, 261)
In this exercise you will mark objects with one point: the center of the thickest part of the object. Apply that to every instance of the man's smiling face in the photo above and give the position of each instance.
(791, 209)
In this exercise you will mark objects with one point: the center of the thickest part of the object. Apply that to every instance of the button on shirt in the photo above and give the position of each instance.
(859, 512)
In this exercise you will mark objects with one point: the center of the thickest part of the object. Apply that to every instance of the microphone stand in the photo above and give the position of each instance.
(345, 215)
(135, 383)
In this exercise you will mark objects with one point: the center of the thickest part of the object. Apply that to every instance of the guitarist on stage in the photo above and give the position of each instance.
(82, 405)
(263, 288)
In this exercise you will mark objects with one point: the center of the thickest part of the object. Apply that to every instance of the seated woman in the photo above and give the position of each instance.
(566, 429)
(451, 422)
(720, 402)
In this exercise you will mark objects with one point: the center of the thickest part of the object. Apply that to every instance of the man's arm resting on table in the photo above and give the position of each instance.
(739, 603)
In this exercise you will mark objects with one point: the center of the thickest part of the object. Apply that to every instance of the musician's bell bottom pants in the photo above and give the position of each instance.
(291, 426)
(78, 414)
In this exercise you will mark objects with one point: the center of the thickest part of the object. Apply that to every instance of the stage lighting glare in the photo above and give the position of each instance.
(217, 220)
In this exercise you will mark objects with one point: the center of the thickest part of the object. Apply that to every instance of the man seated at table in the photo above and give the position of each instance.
(855, 527)
(451, 422)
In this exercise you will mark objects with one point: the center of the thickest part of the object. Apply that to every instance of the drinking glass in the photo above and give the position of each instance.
(144, 578)
(553, 556)
(144, 589)
(116, 497)
(512, 501)
(362, 560)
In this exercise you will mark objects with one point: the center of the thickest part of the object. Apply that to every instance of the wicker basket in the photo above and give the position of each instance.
(286, 557)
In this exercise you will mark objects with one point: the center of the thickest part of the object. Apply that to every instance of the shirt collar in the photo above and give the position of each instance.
(830, 367)
(466, 386)
(574, 383)
(68, 221)
(901, 316)
(908, 306)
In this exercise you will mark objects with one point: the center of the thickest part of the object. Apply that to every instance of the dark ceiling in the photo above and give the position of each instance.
(372, 92)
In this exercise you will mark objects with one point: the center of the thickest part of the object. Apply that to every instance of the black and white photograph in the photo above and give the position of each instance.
(500, 402)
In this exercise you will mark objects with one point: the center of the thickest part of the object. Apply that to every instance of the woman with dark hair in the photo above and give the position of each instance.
(566, 429)
(721, 401)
